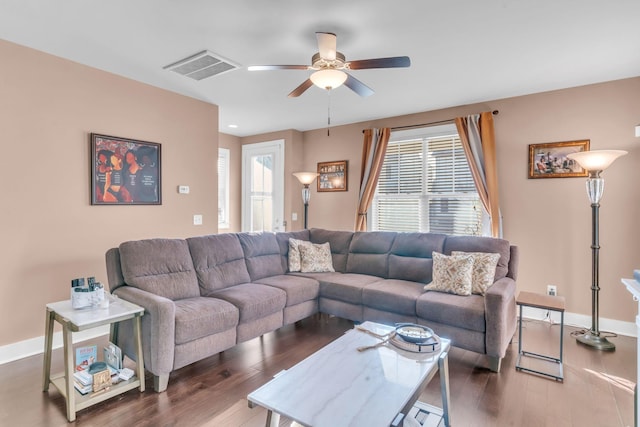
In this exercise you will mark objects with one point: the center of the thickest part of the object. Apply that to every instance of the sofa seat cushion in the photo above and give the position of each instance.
(395, 296)
(465, 312)
(203, 316)
(254, 300)
(299, 289)
(346, 287)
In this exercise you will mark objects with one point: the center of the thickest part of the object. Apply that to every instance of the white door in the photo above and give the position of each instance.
(263, 186)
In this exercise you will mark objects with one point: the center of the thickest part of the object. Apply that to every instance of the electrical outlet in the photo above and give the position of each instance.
(552, 290)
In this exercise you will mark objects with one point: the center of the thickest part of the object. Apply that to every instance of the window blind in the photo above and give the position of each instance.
(426, 185)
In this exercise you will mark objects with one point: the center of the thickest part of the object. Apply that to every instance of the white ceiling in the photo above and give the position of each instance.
(462, 51)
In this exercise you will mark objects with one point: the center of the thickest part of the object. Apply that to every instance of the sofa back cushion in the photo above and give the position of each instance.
(219, 262)
(160, 266)
(283, 244)
(369, 253)
(262, 254)
(411, 256)
(482, 244)
(339, 241)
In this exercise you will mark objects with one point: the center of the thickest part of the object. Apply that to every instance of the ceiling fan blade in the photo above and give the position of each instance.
(393, 62)
(277, 67)
(301, 89)
(326, 45)
(357, 86)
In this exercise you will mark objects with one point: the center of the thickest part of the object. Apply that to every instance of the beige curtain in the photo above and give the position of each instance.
(373, 151)
(478, 140)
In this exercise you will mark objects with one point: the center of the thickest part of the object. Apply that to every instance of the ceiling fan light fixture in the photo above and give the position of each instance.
(329, 78)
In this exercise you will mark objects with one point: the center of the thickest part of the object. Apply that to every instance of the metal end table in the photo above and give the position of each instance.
(545, 302)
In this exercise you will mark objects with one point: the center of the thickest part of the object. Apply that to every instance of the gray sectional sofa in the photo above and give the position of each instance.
(203, 295)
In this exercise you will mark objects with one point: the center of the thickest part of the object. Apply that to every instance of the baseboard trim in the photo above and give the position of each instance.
(33, 346)
(582, 321)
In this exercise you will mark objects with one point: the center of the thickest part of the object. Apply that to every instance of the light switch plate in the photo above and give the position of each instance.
(183, 189)
(197, 220)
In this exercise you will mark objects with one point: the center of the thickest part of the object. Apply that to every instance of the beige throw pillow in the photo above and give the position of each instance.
(484, 269)
(315, 258)
(451, 274)
(294, 253)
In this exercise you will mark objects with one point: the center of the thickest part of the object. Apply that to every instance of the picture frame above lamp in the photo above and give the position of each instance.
(333, 176)
(550, 160)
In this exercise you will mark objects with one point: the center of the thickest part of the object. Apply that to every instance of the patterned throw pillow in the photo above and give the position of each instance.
(294, 253)
(315, 258)
(484, 269)
(451, 274)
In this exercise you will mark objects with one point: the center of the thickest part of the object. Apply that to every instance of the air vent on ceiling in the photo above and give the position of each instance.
(202, 65)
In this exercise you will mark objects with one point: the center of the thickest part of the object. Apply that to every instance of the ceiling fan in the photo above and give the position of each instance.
(330, 68)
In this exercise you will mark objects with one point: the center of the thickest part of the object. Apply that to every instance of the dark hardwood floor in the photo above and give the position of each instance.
(597, 390)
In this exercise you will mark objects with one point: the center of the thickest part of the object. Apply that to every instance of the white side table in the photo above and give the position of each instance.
(78, 320)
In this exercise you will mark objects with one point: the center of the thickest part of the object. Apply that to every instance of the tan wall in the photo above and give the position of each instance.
(235, 181)
(50, 232)
(549, 219)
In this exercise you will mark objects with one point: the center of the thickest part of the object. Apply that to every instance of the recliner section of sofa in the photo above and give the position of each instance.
(203, 295)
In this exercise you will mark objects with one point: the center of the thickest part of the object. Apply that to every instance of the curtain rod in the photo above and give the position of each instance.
(494, 112)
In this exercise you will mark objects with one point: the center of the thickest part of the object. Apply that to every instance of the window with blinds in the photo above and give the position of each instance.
(426, 185)
(223, 188)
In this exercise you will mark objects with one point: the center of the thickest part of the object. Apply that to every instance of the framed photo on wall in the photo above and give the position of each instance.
(550, 160)
(125, 171)
(332, 176)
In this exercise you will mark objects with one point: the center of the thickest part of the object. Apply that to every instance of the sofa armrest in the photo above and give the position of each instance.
(158, 329)
(500, 316)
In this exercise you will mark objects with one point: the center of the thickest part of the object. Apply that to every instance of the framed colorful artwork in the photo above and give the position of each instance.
(332, 176)
(125, 171)
(550, 160)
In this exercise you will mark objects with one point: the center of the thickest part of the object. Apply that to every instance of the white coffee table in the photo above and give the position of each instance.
(340, 386)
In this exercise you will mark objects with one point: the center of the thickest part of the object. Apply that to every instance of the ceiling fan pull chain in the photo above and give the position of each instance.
(329, 112)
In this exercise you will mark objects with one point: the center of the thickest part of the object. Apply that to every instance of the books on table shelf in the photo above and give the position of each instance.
(85, 356)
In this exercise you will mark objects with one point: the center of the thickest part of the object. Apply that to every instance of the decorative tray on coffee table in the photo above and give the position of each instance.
(415, 338)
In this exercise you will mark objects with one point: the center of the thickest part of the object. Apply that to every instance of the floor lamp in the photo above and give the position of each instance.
(305, 178)
(595, 162)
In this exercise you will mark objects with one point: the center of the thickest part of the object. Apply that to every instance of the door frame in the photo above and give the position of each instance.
(275, 147)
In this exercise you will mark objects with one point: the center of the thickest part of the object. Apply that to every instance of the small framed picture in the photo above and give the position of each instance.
(125, 171)
(549, 160)
(332, 176)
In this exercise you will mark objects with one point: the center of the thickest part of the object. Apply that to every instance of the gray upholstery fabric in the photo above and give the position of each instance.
(254, 328)
(462, 338)
(339, 242)
(219, 262)
(201, 316)
(341, 309)
(369, 253)
(299, 289)
(395, 296)
(158, 329)
(262, 254)
(253, 300)
(160, 266)
(411, 257)
(293, 313)
(201, 348)
(345, 287)
(283, 244)
(465, 312)
(386, 317)
(482, 244)
(114, 270)
(204, 294)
